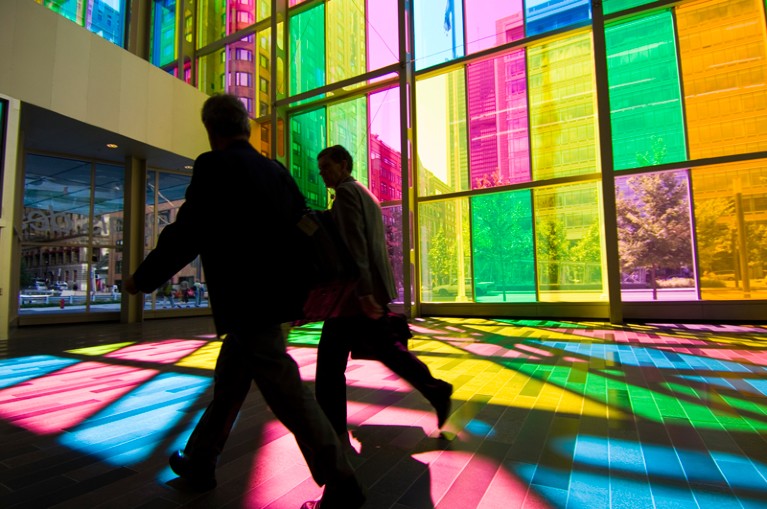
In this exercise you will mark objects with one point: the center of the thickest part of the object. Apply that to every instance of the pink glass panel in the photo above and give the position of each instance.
(385, 155)
(498, 133)
(382, 33)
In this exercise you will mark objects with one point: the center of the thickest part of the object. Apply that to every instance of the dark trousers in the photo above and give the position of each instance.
(339, 336)
(261, 356)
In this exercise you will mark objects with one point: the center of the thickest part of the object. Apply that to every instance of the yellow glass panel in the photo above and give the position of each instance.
(563, 123)
(445, 251)
(730, 202)
(569, 244)
(723, 48)
(345, 39)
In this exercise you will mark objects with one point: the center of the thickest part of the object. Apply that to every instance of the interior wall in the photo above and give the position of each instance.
(51, 62)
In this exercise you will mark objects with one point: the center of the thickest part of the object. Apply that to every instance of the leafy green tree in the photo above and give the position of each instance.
(714, 236)
(552, 245)
(440, 256)
(653, 223)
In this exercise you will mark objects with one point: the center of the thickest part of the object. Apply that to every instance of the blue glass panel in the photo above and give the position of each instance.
(547, 15)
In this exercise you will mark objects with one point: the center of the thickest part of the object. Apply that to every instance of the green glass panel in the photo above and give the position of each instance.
(307, 50)
(307, 138)
(645, 96)
(611, 6)
(445, 251)
(563, 124)
(502, 244)
(345, 39)
(347, 126)
(211, 72)
(568, 243)
(441, 132)
(211, 21)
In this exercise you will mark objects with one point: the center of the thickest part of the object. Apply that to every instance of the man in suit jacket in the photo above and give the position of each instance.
(358, 216)
(236, 193)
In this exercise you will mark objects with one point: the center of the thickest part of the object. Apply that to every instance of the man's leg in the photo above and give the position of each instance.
(410, 368)
(231, 385)
(277, 376)
(330, 379)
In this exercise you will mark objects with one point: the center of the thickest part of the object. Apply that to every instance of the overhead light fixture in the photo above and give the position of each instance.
(111, 145)
(188, 167)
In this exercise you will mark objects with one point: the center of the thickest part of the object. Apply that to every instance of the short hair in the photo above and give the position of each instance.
(337, 154)
(225, 115)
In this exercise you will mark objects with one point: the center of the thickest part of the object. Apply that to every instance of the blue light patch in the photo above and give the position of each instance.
(14, 371)
(129, 430)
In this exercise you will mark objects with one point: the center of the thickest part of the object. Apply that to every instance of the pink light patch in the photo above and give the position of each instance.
(60, 400)
(160, 352)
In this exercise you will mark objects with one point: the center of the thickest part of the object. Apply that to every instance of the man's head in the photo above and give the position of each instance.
(335, 164)
(226, 119)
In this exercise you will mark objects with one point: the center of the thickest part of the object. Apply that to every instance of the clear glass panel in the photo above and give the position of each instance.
(547, 15)
(490, 23)
(730, 202)
(108, 205)
(382, 33)
(392, 218)
(105, 295)
(163, 47)
(242, 79)
(385, 154)
(498, 132)
(347, 126)
(645, 98)
(655, 237)
(307, 50)
(345, 39)
(57, 200)
(438, 32)
(106, 18)
(445, 246)
(568, 243)
(307, 139)
(563, 123)
(502, 242)
(441, 134)
(723, 47)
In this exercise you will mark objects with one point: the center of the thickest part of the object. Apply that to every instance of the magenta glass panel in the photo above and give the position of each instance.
(382, 33)
(491, 23)
(385, 154)
(392, 218)
(499, 152)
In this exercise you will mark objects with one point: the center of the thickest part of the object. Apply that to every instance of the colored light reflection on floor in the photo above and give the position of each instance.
(546, 413)
(63, 398)
(128, 431)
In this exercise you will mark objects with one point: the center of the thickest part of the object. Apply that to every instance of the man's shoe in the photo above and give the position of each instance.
(199, 477)
(442, 403)
(345, 494)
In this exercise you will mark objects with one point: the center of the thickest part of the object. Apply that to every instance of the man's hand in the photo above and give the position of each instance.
(129, 285)
(370, 307)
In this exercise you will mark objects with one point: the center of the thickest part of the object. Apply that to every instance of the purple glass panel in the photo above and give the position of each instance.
(499, 152)
(392, 217)
(385, 154)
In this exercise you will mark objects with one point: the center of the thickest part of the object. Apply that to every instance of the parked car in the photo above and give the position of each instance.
(725, 275)
(481, 288)
(61, 286)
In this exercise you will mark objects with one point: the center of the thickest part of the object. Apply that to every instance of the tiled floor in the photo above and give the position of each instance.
(546, 414)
